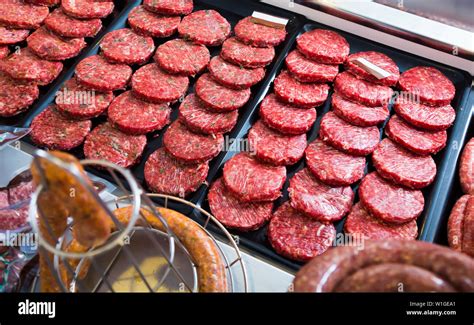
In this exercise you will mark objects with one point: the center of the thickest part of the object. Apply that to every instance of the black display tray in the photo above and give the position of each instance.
(436, 195)
(48, 91)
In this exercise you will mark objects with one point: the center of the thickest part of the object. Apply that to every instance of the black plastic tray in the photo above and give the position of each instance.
(233, 11)
(435, 195)
(48, 91)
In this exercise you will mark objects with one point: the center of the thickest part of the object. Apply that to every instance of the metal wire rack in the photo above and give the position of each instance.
(101, 261)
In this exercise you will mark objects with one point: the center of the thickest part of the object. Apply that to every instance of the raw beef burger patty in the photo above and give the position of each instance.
(403, 167)
(298, 237)
(4, 51)
(333, 167)
(10, 36)
(16, 14)
(431, 85)
(73, 102)
(169, 7)
(252, 181)
(155, 85)
(235, 214)
(182, 57)
(52, 130)
(418, 141)
(258, 35)
(67, 26)
(218, 97)
(164, 174)
(135, 116)
(291, 91)
(205, 27)
(190, 147)
(27, 66)
(389, 202)
(275, 148)
(318, 200)
(15, 96)
(461, 225)
(380, 60)
(358, 114)
(286, 118)
(126, 46)
(323, 46)
(351, 139)
(361, 91)
(147, 23)
(360, 223)
(108, 143)
(233, 76)
(50, 46)
(306, 70)
(49, 3)
(87, 9)
(198, 118)
(236, 52)
(466, 168)
(424, 116)
(95, 72)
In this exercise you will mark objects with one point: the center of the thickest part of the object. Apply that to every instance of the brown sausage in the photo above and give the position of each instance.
(325, 272)
(466, 168)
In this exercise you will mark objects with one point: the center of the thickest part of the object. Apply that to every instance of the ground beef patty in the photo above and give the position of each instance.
(253, 181)
(402, 166)
(67, 26)
(361, 91)
(10, 36)
(190, 147)
(87, 9)
(182, 57)
(164, 174)
(317, 200)
(235, 214)
(108, 143)
(466, 168)
(355, 140)
(233, 76)
(333, 167)
(147, 23)
(4, 51)
(199, 118)
(298, 237)
(218, 97)
(258, 35)
(48, 3)
(389, 202)
(236, 52)
(205, 27)
(135, 116)
(169, 7)
(323, 46)
(50, 46)
(380, 60)
(15, 96)
(358, 114)
(286, 118)
(418, 141)
(306, 70)
(52, 130)
(16, 14)
(126, 46)
(360, 223)
(153, 84)
(26, 66)
(291, 91)
(95, 72)
(430, 84)
(424, 116)
(460, 224)
(79, 103)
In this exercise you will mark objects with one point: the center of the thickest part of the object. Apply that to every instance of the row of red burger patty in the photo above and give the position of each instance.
(58, 36)
(320, 193)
